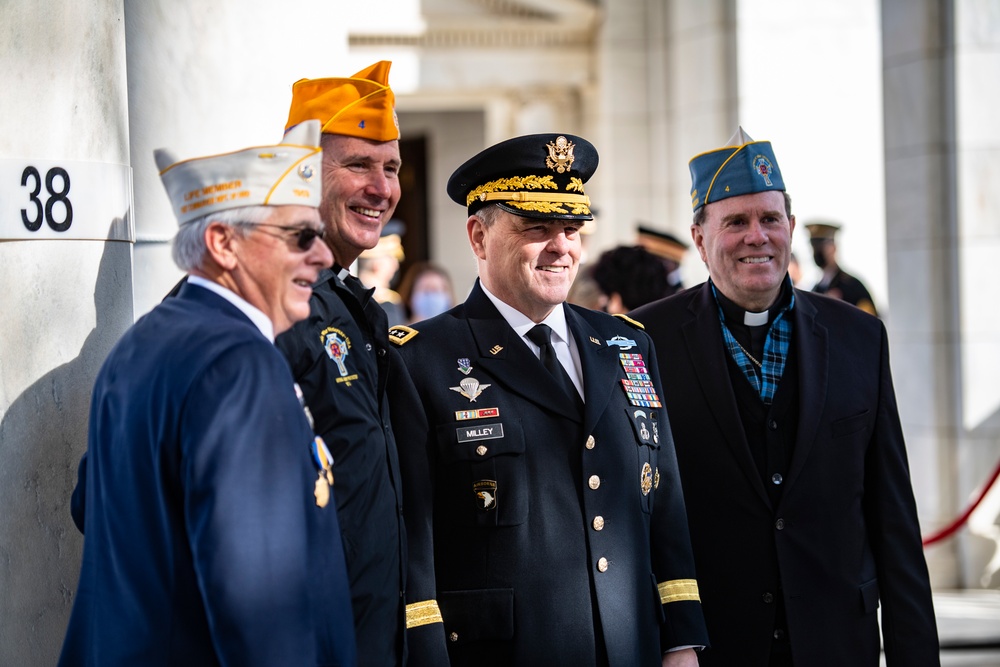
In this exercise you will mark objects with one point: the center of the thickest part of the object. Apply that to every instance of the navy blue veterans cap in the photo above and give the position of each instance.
(744, 167)
(534, 176)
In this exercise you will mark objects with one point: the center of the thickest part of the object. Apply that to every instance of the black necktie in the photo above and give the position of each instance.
(541, 335)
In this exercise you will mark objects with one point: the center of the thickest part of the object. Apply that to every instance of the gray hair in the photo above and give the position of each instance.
(488, 214)
(189, 248)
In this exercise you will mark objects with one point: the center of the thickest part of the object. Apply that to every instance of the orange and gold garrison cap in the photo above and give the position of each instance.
(358, 106)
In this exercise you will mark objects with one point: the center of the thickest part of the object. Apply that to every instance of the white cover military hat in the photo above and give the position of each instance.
(287, 173)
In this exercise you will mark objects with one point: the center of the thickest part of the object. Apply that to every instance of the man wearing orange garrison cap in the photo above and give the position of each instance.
(338, 354)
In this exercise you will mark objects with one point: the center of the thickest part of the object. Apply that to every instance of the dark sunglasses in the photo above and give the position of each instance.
(304, 236)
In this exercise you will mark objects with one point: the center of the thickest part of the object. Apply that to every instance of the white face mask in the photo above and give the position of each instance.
(428, 304)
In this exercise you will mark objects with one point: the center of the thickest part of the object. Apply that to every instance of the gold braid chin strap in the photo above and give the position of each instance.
(535, 196)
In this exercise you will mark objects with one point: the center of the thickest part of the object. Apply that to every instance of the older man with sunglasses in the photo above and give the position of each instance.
(211, 531)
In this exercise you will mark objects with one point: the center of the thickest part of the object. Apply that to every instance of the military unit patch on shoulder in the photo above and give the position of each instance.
(400, 334)
(629, 320)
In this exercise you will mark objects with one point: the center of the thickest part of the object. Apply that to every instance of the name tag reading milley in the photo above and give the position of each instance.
(480, 432)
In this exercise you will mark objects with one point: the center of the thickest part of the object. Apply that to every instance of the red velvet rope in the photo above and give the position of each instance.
(951, 528)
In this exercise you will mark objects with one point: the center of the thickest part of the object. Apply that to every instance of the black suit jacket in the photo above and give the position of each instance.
(844, 534)
(528, 525)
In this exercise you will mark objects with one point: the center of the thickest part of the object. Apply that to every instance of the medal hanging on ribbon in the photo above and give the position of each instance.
(324, 464)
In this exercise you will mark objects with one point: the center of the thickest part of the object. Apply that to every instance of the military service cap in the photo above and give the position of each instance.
(822, 230)
(534, 176)
(288, 173)
(358, 106)
(390, 242)
(742, 167)
(661, 244)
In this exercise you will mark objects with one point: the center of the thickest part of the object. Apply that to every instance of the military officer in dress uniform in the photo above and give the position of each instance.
(339, 355)
(545, 518)
(210, 533)
(790, 449)
(836, 282)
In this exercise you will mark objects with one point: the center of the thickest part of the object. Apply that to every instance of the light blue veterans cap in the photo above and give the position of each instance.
(743, 167)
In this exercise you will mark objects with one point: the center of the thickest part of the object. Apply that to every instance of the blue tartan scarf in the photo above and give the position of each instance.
(764, 380)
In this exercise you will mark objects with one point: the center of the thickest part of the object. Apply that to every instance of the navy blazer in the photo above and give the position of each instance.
(545, 536)
(844, 534)
(203, 542)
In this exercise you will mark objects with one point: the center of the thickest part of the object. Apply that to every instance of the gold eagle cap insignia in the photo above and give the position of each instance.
(560, 157)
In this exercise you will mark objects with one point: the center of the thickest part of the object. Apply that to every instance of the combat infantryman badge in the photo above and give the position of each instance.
(486, 494)
(470, 388)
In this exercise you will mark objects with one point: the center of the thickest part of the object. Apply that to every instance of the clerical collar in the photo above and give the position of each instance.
(738, 315)
(360, 291)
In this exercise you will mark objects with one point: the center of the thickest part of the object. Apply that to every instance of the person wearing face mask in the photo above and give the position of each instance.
(426, 291)
(836, 282)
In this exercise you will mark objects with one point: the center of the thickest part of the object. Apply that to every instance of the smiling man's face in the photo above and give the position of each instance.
(360, 192)
(527, 263)
(745, 242)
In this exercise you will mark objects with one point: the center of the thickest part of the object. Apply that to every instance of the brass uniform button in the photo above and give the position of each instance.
(453, 637)
(598, 523)
(594, 481)
(481, 450)
(591, 442)
(602, 564)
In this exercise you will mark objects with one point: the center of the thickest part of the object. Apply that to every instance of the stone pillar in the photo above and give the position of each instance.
(702, 107)
(941, 59)
(65, 268)
(977, 151)
(214, 77)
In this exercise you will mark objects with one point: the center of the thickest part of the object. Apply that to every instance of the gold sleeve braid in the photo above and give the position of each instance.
(677, 590)
(422, 613)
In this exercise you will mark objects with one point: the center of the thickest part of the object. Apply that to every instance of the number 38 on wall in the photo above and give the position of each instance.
(59, 218)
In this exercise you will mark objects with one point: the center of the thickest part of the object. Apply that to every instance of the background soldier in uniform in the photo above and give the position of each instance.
(339, 353)
(545, 519)
(210, 536)
(789, 443)
(836, 282)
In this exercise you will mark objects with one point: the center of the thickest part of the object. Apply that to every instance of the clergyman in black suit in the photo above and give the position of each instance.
(789, 443)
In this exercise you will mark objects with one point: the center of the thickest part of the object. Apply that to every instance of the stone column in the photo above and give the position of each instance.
(214, 77)
(941, 59)
(65, 268)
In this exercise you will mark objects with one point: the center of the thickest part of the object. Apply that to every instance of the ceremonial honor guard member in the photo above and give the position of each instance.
(339, 354)
(545, 519)
(836, 282)
(789, 443)
(210, 535)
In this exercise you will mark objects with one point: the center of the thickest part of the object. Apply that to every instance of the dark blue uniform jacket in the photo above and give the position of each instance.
(203, 543)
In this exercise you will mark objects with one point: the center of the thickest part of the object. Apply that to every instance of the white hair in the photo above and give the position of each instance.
(189, 248)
